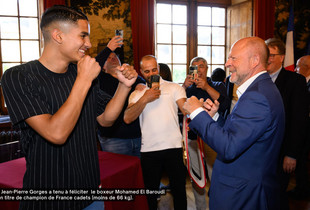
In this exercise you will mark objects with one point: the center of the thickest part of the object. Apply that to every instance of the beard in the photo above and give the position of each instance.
(237, 79)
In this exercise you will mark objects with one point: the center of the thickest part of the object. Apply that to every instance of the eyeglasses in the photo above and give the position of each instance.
(273, 55)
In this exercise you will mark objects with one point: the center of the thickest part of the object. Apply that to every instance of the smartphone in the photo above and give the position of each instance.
(119, 32)
(155, 81)
(193, 72)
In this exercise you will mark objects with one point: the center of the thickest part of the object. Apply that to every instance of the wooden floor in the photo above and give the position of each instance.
(165, 202)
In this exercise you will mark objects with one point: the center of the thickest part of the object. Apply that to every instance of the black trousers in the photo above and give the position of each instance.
(284, 179)
(171, 161)
(301, 172)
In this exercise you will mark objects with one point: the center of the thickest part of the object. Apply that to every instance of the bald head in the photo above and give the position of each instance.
(149, 67)
(255, 46)
(147, 58)
(247, 57)
(303, 66)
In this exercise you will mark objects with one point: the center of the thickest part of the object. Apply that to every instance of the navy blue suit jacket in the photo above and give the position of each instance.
(247, 145)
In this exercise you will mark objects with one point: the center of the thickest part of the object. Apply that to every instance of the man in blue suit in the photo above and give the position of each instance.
(248, 142)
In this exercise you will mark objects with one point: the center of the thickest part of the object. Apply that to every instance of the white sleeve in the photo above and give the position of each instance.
(179, 92)
(135, 96)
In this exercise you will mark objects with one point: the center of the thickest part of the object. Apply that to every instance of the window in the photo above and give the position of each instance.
(211, 35)
(171, 38)
(183, 32)
(19, 34)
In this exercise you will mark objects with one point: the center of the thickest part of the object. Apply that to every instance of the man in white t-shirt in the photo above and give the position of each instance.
(161, 144)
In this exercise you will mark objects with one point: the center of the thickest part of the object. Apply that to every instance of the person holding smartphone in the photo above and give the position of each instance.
(203, 87)
(120, 138)
(161, 148)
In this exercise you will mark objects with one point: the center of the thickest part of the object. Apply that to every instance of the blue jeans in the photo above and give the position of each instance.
(96, 205)
(121, 146)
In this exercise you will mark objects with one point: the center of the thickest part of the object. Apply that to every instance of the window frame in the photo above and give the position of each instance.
(172, 44)
(192, 27)
(40, 9)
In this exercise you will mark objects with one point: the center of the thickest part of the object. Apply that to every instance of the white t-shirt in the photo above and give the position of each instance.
(159, 120)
